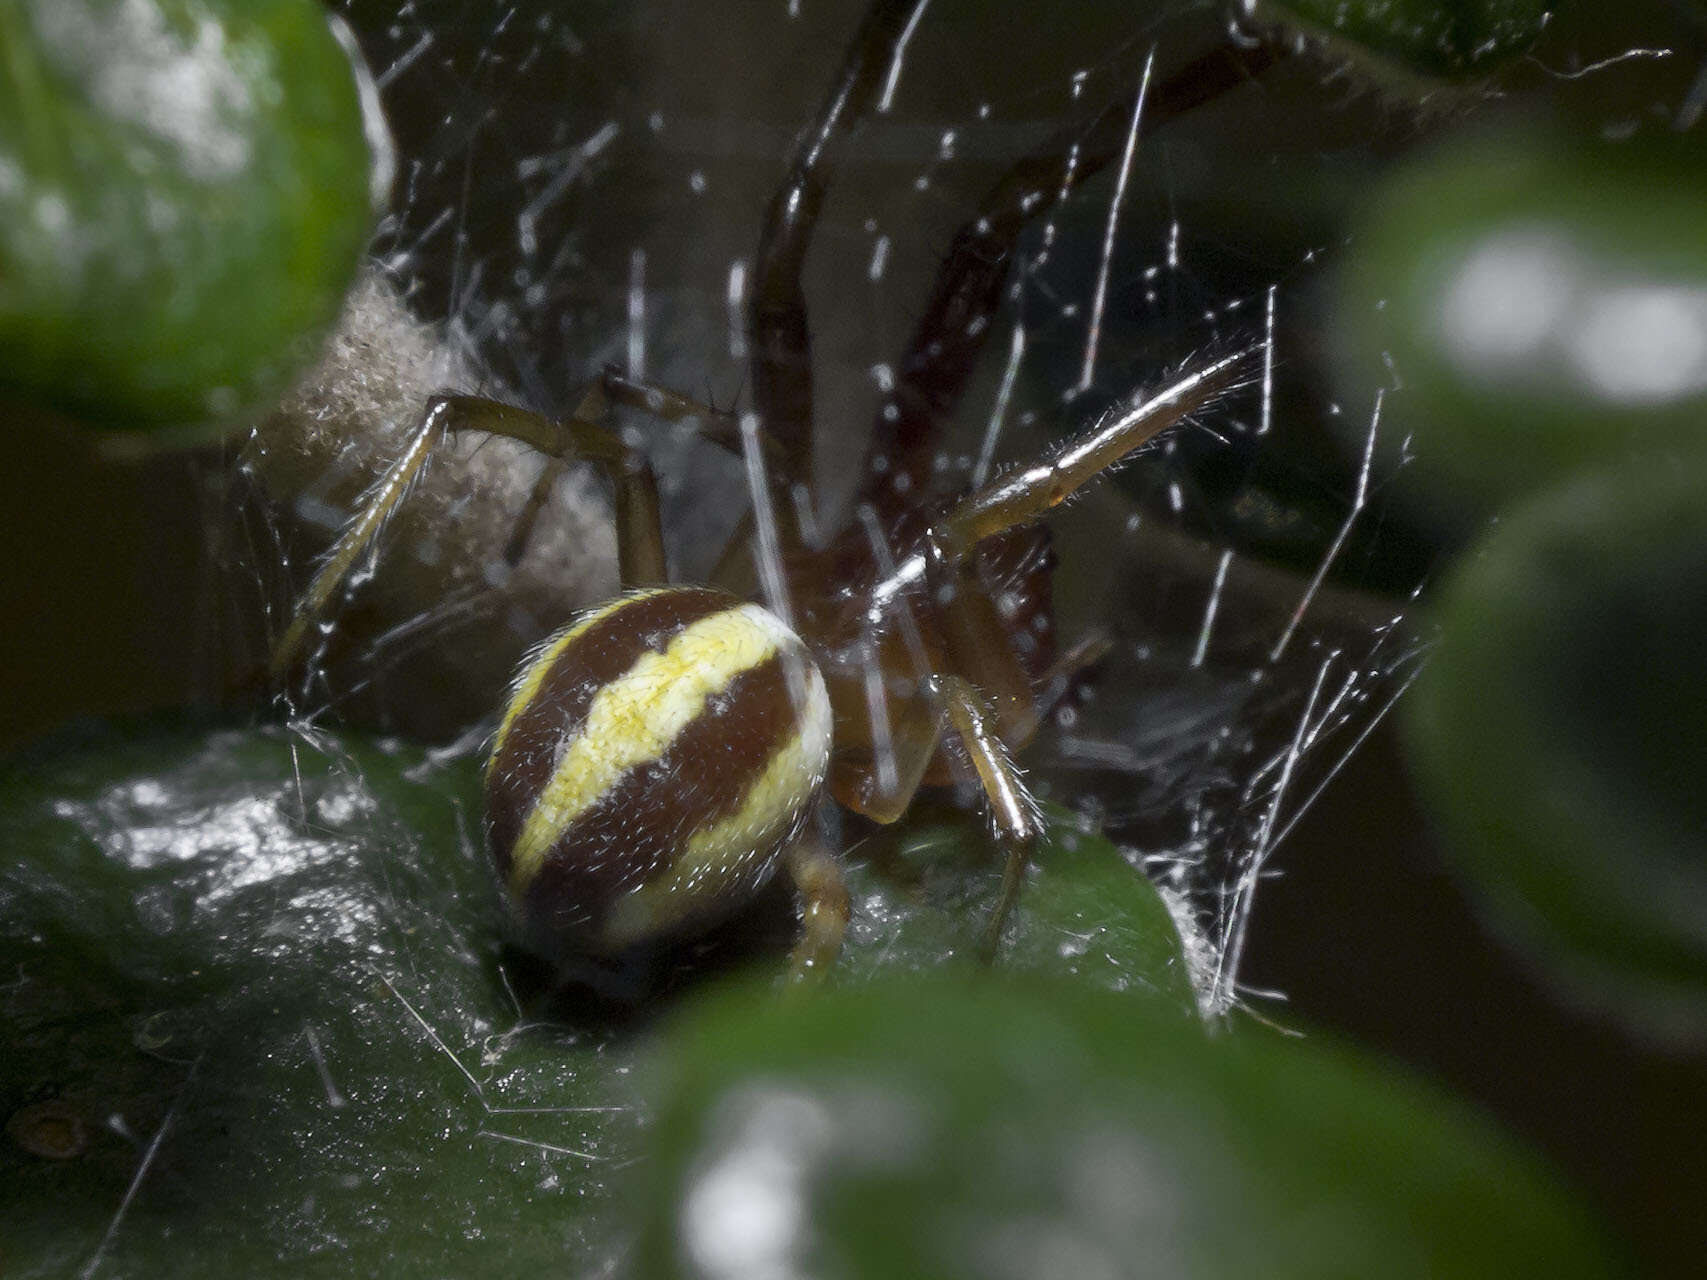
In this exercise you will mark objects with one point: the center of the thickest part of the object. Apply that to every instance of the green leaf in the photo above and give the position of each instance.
(184, 198)
(1445, 39)
(1535, 317)
(954, 1128)
(923, 893)
(236, 942)
(280, 952)
(1559, 734)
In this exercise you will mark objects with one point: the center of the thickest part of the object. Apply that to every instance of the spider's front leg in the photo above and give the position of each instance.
(781, 338)
(972, 283)
(1027, 492)
(640, 540)
(984, 691)
(972, 628)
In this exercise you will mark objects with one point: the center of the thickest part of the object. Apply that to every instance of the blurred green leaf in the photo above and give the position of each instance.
(923, 892)
(1541, 306)
(1559, 734)
(238, 943)
(184, 197)
(994, 1129)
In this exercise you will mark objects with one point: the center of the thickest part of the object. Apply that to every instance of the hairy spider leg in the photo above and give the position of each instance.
(1027, 492)
(972, 626)
(579, 438)
(715, 426)
(992, 703)
(970, 285)
(640, 554)
(985, 693)
(988, 697)
(1013, 813)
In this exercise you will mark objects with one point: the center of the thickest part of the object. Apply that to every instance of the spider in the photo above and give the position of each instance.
(663, 754)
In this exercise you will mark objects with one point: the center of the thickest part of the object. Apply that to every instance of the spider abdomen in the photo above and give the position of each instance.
(654, 760)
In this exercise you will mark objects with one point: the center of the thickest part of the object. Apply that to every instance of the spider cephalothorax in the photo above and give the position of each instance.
(664, 753)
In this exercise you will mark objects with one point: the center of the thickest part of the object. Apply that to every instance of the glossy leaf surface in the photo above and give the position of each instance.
(266, 975)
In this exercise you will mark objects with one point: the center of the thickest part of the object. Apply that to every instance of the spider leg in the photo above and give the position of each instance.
(972, 626)
(718, 426)
(1068, 673)
(970, 285)
(1027, 492)
(1013, 813)
(581, 437)
(781, 342)
(988, 696)
(976, 636)
(735, 571)
(383, 499)
(879, 778)
(640, 540)
(543, 487)
(818, 875)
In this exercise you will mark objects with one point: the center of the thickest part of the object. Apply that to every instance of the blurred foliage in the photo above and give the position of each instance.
(1560, 732)
(1451, 39)
(1534, 317)
(1535, 299)
(1000, 1129)
(184, 198)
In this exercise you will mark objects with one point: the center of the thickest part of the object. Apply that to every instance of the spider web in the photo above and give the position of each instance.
(582, 186)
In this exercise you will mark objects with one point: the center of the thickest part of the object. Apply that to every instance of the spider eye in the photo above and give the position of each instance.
(654, 759)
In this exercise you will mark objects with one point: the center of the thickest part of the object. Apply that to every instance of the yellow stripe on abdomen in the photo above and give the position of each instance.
(724, 857)
(635, 717)
(535, 665)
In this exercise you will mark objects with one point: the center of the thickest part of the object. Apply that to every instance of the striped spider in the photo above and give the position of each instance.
(661, 756)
